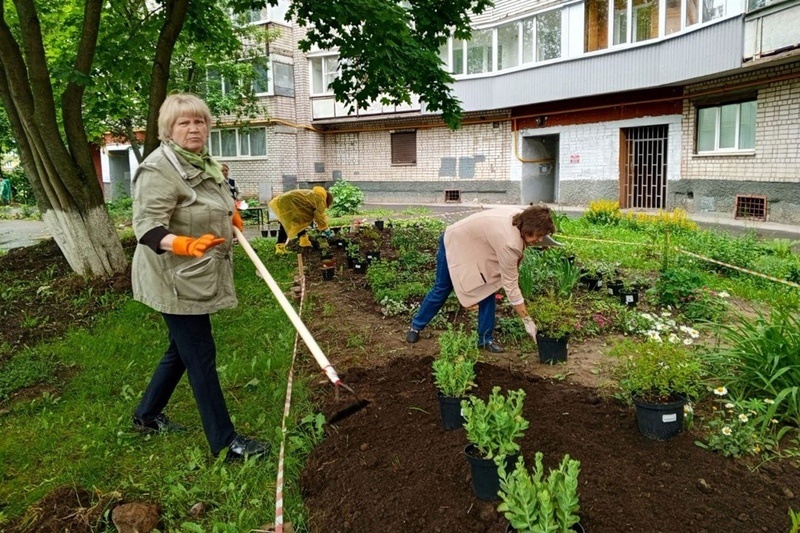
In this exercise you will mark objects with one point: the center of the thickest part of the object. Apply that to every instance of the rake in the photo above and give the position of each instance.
(305, 334)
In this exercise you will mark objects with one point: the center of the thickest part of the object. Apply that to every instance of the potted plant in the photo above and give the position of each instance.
(453, 378)
(533, 502)
(454, 373)
(658, 377)
(555, 320)
(328, 267)
(628, 294)
(493, 428)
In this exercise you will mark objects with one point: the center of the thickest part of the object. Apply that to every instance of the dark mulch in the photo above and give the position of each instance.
(391, 468)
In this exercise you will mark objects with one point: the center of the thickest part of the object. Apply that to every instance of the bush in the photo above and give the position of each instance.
(347, 199)
(495, 426)
(603, 212)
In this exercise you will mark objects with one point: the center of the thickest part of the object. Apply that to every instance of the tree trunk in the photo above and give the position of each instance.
(63, 179)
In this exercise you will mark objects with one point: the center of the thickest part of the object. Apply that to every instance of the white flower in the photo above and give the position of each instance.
(774, 421)
(648, 316)
(688, 409)
(768, 401)
(729, 405)
(721, 391)
(726, 431)
(666, 313)
(724, 294)
(687, 342)
(743, 418)
(674, 339)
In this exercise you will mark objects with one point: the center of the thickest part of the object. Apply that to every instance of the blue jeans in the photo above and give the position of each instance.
(442, 288)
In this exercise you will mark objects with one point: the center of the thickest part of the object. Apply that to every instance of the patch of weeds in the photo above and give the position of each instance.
(24, 371)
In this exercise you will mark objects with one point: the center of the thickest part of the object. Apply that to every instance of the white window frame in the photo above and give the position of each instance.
(268, 13)
(327, 77)
(242, 151)
(270, 87)
(716, 150)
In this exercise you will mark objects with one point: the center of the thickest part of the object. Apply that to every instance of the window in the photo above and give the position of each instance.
(249, 142)
(728, 127)
(508, 46)
(479, 52)
(323, 72)
(262, 83)
(596, 16)
(404, 148)
(268, 13)
(548, 36)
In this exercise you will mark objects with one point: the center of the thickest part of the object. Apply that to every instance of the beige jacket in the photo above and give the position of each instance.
(483, 254)
(169, 192)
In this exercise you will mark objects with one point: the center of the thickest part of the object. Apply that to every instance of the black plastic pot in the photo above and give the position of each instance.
(592, 283)
(659, 421)
(372, 256)
(628, 297)
(327, 273)
(614, 287)
(450, 411)
(360, 266)
(379, 225)
(552, 350)
(485, 479)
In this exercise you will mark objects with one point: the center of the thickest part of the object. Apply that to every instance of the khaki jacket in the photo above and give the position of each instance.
(296, 210)
(483, 254)
(169, 192)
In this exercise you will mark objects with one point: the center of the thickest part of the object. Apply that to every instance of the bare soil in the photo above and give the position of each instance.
(391, 468)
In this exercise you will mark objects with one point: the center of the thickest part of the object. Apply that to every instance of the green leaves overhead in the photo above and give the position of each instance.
(389, 51)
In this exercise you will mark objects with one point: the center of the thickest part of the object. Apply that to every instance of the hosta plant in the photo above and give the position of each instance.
(535, 503)
(495, 426)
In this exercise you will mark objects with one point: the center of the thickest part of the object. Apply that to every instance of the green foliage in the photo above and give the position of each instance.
(761, 358)
(554, 317)
(453, 377)
(603, 212)
(407, 60)
(686, 290)
(566, 276)
(739, 251)
(495, 426)
(420, 234)
(795, 518)
(456, 345)
(121, 210)
(21, 187)
(534, 503)
(24, 371)
(347, 198)
(395, 287)
(657, 371)
(109, 366)
(745, 427)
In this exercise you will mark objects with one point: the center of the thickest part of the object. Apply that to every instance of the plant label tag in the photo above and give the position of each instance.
(669, 418)
(628, 298)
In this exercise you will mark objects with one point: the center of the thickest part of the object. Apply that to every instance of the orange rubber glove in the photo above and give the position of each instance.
(195, 247)
(237, 219)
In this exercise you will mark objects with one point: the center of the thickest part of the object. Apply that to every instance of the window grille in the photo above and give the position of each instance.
(752, 207)
(452, 195)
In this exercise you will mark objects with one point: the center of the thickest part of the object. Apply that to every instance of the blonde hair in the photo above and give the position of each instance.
(180, 105)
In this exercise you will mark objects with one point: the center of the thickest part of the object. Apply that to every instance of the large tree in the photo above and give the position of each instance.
(50, 86)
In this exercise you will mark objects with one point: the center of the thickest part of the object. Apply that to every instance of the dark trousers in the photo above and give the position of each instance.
(191, 350)
(282, 235)
(442, 288)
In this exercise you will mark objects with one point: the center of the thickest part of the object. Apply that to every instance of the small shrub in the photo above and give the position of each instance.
(456, 345)
(347, 198)
(495, 426)
(453, 378)
(603, 212)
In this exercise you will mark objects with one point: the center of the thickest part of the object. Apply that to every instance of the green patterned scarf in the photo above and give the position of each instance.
(203, 161)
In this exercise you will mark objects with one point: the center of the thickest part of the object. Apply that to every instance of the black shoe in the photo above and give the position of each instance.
(412, 336)
(159, 424)
(242, 448)
(492, 347)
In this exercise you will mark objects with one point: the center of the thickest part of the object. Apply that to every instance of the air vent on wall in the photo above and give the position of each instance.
(452, 195)
(751, 207)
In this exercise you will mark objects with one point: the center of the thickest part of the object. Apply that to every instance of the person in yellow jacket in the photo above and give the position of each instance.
(296, 210)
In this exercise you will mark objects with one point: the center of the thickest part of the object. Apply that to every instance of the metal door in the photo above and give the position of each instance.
(643, 167)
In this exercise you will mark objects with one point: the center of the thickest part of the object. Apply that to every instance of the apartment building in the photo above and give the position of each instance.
(655, 103)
